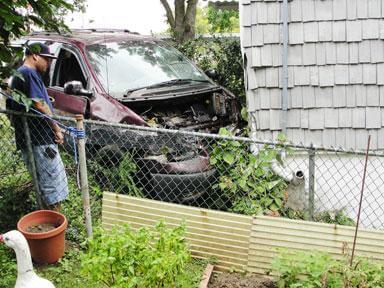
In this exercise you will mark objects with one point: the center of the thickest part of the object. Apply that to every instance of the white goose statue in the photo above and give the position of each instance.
(26, 277)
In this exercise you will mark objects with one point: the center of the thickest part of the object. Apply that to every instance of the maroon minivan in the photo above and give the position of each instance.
(123, 77)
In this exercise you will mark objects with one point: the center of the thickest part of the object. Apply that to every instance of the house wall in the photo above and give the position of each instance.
(335, 65)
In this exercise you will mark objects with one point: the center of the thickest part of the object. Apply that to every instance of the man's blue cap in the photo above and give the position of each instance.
(39, 49)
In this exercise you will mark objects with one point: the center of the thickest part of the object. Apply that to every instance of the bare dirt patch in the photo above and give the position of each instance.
(41, 228)
(236, 280)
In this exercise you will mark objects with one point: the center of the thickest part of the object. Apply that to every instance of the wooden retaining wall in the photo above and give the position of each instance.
(239, 242)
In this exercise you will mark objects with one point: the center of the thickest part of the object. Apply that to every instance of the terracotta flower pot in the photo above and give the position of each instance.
(46, 247)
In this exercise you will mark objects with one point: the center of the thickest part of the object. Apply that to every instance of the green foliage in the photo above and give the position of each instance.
(145, 258)
(317, 269)
(222, 20)
(247, 179)
(222, 54)
(8, 267)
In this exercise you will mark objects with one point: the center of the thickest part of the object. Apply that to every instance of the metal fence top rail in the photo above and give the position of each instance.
(208, 135)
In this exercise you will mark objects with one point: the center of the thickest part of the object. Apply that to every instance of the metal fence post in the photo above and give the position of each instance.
(311, 181)
(84, 176)
(31, 162)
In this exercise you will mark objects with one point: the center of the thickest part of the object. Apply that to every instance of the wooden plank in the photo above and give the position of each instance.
(206, 276)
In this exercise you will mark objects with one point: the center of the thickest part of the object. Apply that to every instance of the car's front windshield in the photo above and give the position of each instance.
(129, 65)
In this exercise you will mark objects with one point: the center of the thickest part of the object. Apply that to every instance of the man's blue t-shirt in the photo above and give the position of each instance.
(33, 87)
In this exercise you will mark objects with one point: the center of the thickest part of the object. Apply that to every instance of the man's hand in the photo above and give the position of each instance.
(59, 137)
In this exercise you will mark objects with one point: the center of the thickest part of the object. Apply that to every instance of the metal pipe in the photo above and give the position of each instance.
(361, 199)
(284, 95)
(311, 182)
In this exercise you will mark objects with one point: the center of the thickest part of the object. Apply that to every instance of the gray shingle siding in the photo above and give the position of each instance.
(335, 69)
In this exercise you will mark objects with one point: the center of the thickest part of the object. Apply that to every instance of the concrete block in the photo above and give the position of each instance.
(247, 37)
(339, 31)
(262, 14)
(275, 98)
(274, 12)
(246, 21)
(254, 13)
(260, 77)
(329, 137)
(377, 51)
(330, 53)
(350, 139)
(325, 30)
(324, 97)
(302, 75)
(374, 8)
(370, 28)
(309, 100)
(326, 76)
(342, 54)
(263, 119)
(308, 6)
(295, 11)
(352, 9)
(320, 54)
(293, 118)
(362, 9)
(314, 74)
(358, 118)
(257, 35)
(323, 10)
(256, 57)
(272, 77)
(354, 31)
(266, 55)
(295, 55)
(369, 74)
(311, 32)
(304, 118)
(373, 117)
(275, 119)
(373, 96)
(345, 117)
(339, 96)
(263, 94)
(353, 53)
(365, 52)
(380, 74)
(309, 54)
(296, 95)
(341, 75)
(331, 118)
(356, 74)
(316, 119)
(340, 10)
(361, 95)
(271, 33)
(351, 95)
(340, 137)
(276, 55)
(296, 33)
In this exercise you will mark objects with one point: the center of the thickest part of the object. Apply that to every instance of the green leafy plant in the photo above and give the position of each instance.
(247, 179)
(123, 257)
(318, 269)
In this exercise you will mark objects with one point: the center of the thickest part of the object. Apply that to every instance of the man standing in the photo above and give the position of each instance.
(44, 133)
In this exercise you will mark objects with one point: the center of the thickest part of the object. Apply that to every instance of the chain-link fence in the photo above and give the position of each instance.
(209, 171)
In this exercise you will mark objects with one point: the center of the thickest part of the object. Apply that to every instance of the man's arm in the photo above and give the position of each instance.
(44, 108)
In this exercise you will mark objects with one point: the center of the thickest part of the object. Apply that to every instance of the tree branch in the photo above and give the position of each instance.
(168, 10)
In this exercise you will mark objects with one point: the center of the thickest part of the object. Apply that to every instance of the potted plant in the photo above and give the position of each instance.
(45, 233)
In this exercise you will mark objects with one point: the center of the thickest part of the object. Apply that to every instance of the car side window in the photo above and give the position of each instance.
(67, 69)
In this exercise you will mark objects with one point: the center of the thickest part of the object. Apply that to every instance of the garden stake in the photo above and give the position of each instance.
(361, 199)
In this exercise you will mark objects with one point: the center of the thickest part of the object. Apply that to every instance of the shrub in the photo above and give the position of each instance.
(145, 258)
(318, 269)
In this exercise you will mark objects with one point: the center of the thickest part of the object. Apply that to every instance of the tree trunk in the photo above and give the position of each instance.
(183, 22)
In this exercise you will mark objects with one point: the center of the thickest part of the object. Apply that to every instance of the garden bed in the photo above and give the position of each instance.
(237, 280)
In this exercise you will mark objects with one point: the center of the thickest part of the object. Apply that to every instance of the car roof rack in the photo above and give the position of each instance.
(98, 30)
